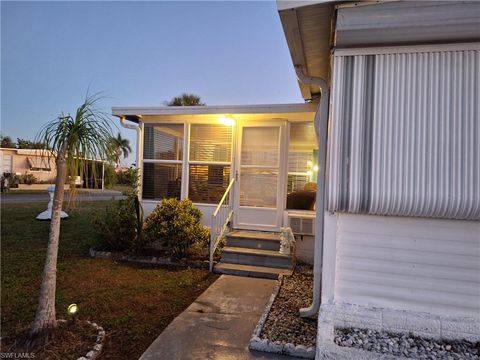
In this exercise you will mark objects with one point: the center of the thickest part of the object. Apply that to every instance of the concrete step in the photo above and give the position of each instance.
(256, 257)
(250, 271)
(254, 240)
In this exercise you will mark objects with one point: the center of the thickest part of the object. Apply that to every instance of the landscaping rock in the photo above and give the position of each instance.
(406, 345)
(283, 322)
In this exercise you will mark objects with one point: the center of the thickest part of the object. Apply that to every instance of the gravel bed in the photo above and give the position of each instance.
(284, 323)
(406, 345)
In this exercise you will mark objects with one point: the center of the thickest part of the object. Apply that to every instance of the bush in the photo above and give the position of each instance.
(176, 224)
(109, 176)
(120, 226)
(128, 177)
(13, 180)
(29, 179)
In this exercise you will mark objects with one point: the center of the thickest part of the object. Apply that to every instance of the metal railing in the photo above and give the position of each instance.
(220, 221)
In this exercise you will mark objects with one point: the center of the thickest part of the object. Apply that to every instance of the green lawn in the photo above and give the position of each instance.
(121, 188)
(133, 304)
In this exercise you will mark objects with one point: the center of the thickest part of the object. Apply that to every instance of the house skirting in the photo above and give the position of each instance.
(333, 316)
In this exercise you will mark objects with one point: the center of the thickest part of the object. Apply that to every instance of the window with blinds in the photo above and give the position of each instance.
(208, 183)
(211, 143)
(209, 162)
(162, 181)
(162, 164)
(163, 142)
(302, 166)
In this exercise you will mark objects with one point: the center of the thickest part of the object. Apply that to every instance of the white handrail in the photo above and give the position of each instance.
(223, 197)
(220, 221)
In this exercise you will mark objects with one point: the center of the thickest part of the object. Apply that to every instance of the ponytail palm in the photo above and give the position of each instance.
(72, 141)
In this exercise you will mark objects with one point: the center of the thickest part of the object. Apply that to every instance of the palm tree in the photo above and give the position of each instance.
(71, 140)
(117, 147)
(186, 100)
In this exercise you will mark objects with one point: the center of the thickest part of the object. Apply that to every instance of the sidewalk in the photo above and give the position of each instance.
(218, 324)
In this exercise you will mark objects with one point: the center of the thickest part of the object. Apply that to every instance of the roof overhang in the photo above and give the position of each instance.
(152, 113)
(308, 30)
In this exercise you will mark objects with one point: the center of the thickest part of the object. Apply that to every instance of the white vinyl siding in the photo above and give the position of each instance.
(405, 133)
(426, 265)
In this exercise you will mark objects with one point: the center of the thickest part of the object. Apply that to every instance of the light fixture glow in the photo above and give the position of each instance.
(309, 172)
(227, 120)
(72, 309)
(315, 168)
(309, 163)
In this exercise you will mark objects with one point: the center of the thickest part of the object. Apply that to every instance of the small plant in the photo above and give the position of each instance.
(28, 179)
(128, 177)
(176, 224)
(109, 176)
(120, 226)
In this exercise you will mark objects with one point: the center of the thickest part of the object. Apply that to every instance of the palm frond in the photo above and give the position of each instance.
(81, 138)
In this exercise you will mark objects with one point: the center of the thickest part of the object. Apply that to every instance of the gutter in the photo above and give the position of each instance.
(321, 130)
(137, 129)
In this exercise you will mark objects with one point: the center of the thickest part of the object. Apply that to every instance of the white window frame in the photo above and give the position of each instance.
(196, 162)
(185, 162)
(162, 161)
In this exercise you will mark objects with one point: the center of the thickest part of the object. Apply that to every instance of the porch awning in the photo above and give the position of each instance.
(40, 163)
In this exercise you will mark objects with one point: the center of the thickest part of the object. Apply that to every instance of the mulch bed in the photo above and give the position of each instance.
(70, 341)
(284, 323)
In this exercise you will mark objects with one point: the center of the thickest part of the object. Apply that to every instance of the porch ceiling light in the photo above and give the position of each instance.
(227, 120)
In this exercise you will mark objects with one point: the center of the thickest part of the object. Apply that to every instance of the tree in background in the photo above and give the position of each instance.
(71, 140)
(118, 146)
(27, 144)
(186, 100)
(6, 142)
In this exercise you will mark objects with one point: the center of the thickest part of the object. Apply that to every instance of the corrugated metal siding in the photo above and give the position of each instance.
(407, 22)
(409, 264)
(405, 135)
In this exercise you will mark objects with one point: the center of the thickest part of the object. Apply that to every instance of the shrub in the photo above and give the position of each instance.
(109, 176)
(13, 180)
(120, 226)
(29, 179)
(128, 177)
(176, 224)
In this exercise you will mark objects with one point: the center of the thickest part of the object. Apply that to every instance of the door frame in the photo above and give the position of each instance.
(281, 180)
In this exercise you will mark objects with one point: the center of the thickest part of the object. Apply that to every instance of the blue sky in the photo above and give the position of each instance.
(138, 53)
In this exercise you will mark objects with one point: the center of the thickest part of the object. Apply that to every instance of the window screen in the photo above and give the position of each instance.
(163, 142)
(212, 143)
(162, 181)
(302, 166)
(208, 183)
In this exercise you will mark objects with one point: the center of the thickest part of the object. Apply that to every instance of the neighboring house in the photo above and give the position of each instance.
(41, 165)
(396, 209)
(28, 161)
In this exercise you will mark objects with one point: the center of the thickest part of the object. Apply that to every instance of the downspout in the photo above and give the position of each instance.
(137, 129)
(321, 130)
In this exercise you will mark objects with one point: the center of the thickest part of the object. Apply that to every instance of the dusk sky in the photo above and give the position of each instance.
(138, 53)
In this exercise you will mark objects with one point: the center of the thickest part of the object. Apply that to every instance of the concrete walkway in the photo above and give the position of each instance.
(218, 325)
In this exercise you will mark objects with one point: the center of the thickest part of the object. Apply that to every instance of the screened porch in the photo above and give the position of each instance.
(271, 158)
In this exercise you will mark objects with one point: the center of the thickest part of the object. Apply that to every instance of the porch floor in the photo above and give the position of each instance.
(218, 325)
